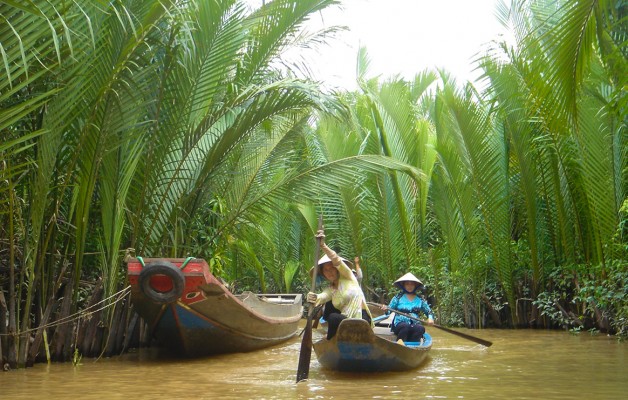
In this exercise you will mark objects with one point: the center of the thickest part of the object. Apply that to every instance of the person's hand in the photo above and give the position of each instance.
(357, 261)
(384, 307)
(312, 297)
(430, 321)
(320, 235)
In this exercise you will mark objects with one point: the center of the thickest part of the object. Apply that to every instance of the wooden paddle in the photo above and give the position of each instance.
(453, 332)
(316, 314)
(303, 370)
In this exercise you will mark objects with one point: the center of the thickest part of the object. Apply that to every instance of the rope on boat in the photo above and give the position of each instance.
(183, 265)
(87, 312)
(187, 260)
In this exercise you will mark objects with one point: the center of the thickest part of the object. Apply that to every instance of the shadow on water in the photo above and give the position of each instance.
(521, 364)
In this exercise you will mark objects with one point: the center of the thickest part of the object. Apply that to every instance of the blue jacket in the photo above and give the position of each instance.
(401, 303)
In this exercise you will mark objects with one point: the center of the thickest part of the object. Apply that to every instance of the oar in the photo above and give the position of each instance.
(303, 370)
(316, 314)
(453, 332)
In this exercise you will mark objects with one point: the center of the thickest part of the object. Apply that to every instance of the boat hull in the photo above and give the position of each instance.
(207, 318)
(357, 348)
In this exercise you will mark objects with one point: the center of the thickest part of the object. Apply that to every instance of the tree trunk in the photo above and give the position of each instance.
(36, 345)
(44, 319)
(12, 342)
(61, 352)
(535, 317)
(114, 327)
(122, 325)
(87, 333)
(491, 311)
(97, 340)
(568, 315)
(130, 331)
(3, 328)
(601, 320)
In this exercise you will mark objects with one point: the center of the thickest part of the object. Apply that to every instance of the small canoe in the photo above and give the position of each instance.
(357, 347)
(193, 313)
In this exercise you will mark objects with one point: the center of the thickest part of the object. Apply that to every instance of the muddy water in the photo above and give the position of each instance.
(521, 364)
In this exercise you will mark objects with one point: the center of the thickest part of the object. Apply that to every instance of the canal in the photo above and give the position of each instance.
(521, 364)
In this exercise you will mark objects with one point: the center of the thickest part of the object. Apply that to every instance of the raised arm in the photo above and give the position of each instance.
(337, 262)
(343, 268)
(358, 270)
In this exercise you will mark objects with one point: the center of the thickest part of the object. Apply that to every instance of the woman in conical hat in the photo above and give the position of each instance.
(325, 259)
(344, 290)
(409, 277)
(408, 302)
(329, 307)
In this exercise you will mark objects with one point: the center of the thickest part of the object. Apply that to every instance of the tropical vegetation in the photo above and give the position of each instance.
(179, 128)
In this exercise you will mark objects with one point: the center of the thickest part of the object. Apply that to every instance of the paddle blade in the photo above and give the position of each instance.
(464, 335)
(303, 370)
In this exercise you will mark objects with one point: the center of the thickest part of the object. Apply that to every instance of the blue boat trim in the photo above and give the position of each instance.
(356, 348)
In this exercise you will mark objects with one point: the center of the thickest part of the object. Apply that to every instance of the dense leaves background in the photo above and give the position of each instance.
(172, 129)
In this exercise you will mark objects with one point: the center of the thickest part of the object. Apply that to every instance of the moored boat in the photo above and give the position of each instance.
(357, 347)
(193, 313)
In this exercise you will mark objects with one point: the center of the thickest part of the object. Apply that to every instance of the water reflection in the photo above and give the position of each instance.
(520, 365)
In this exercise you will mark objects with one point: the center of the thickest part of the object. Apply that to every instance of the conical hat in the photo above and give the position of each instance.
(325, 259)
(407, 278)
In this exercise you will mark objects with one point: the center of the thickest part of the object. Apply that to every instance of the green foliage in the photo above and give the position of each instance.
(202, 239)
(184, 137)
(546, 303)
(76, 357)
(603, 291)
(290, 272)
(450, 306)
(598, 293)
(122, 150)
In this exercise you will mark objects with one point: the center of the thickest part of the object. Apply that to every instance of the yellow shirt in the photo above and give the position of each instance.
(347, 296)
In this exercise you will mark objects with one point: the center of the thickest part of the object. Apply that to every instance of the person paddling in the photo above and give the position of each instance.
(406, 329)
(343, 291)
(329, 307)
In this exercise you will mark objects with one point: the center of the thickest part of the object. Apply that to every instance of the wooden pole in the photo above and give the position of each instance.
(303, 370)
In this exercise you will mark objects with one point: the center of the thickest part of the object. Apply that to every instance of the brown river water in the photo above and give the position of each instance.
(521, 364)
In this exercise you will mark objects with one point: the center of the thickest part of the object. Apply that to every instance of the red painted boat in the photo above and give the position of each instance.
(191, 312)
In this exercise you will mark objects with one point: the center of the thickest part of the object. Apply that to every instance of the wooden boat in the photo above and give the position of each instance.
(357, 347)
(192, 313)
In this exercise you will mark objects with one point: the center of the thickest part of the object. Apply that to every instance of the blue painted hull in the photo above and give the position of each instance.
(356, 348)
(207, 318)
(187, 332)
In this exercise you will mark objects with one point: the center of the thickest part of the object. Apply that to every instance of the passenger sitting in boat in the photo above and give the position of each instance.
(409, 302)
(343, 291)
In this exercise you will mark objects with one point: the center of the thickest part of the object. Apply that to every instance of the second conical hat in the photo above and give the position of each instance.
(409, 277)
